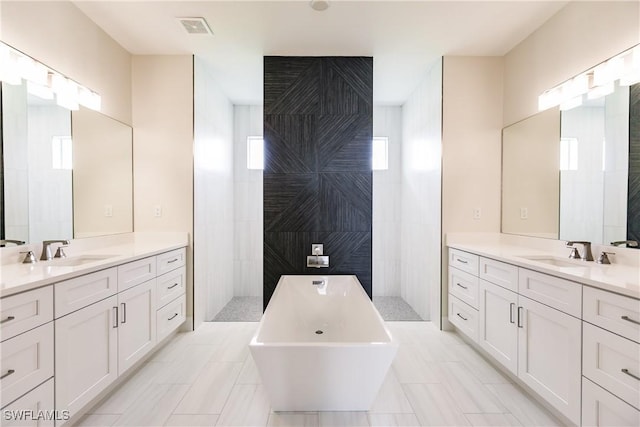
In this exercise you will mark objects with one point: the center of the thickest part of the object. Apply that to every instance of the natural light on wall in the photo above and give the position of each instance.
(255, 152)
(568, 154)
(380, 160)
(61, 152)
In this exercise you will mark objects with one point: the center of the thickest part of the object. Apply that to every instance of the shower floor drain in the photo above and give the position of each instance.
(319, 332)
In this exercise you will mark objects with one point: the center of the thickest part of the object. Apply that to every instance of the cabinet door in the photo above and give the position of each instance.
(137, 330)
(549, 354)
(34, 409)
(86, 350)
(498, 334)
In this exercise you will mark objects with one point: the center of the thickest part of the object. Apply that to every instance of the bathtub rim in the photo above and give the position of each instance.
(392, 342)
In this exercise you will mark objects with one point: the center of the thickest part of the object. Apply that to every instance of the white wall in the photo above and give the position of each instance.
(247, 196)
(471, 147)
(582, 190)
(50, 194)
(213, 195)
(579, 36)
(420, 201)
(387, 121)
(162, 101)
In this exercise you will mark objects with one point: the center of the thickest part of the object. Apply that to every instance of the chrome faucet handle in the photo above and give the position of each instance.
(604, 258)
(574, 254)
(30, 257)
(4, 242)
(588, 256)
(46, 249)
(60, 252)
(629, 243)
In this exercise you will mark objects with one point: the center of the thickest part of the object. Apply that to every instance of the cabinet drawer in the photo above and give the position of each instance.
(27, 361)
(602, 409)
(464, 286)
(74, 294)
(613, 312)
(170, 317)
(560, 294)
(463, 261)
(136, 272)
(37, 402)
(465, 318)
(170, 286)
(499, 273)
(171, 260)
(22, 312)
(605, 356)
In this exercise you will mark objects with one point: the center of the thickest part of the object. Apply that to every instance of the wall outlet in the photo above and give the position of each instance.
(477, 213)
(524, 213)
(157, 211)
(108, 210)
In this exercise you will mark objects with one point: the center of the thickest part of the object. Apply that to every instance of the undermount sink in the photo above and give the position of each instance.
(78, 260)
(556, 262)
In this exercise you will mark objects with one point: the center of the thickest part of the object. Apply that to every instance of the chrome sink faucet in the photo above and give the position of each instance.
(588, 256)
(46, 249)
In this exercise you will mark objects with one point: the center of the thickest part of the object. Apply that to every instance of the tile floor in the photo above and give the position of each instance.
(207, 378)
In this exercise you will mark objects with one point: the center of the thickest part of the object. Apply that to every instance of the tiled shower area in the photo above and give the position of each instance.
(405, 219)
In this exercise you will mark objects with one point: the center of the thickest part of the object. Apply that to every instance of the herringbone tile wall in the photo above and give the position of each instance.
(318, 121)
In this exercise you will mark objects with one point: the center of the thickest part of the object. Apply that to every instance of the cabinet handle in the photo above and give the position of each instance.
(511, 306)
(173, 286)
(173, 317)
(8, 319)
(124, 312)
(628, 319)
(172, 261)
(9, 372)
(115, 317)
(460, 316)
(461, 261)
(626, 371)
(463, 287)
(519, 317)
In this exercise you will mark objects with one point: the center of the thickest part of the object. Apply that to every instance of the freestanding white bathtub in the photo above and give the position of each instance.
(322, 346)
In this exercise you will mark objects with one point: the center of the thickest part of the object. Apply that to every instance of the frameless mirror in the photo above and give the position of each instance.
(63, 175)
(566, 175)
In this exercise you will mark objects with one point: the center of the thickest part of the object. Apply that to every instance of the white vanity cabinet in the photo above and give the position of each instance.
(171, 296)
(610, 359)
(539, 343)
(115, 329)
(26, 350)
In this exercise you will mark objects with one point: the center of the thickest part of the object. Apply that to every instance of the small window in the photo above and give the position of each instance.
(569, 154)
(255, 152)
(380, 152)
(61, 153)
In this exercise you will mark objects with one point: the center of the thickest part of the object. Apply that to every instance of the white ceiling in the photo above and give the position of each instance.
(404, 37)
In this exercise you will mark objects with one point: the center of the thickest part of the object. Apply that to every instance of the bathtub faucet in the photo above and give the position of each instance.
(317, 260)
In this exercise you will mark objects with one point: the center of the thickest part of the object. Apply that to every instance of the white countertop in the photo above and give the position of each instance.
(621, 279)
(16, 277)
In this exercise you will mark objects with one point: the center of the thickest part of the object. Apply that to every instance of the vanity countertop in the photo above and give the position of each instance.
(16, 277)
(621, 279)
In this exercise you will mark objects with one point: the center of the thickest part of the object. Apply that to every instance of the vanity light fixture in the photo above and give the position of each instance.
(43, 81)
(622, 69)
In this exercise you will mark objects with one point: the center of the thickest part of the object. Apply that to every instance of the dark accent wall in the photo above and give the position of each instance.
(318, 126)
(633, 201)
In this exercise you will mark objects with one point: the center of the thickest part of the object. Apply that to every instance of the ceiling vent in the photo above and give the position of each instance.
(197, 26)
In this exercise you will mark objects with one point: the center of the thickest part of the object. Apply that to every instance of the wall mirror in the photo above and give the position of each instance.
(565, 174)
(64, 175)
